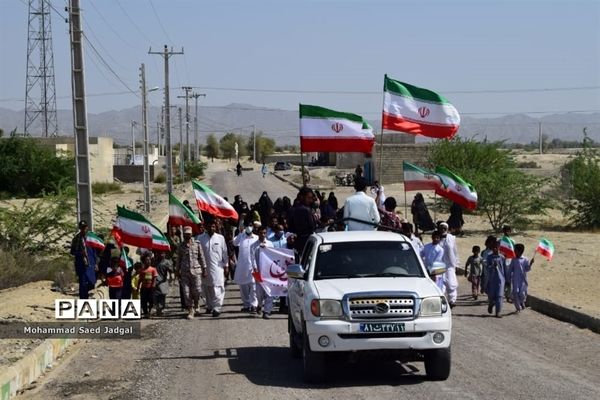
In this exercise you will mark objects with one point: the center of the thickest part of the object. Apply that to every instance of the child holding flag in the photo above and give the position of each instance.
(517, 272)
(495, 265)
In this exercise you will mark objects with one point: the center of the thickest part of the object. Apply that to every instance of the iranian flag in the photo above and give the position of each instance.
(94, 241)
(325, 130)
(545, 248)
(159, 240)
(456, 189)
(124, 260)
(507, 247)
(133, 228)
(416, 178)
(417, 111)
(212, 203)
(272, 275)
(180, 215)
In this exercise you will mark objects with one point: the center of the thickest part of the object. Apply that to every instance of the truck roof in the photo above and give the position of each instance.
(361, 236)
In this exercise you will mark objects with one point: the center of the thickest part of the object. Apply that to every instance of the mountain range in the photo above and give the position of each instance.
(282, 125)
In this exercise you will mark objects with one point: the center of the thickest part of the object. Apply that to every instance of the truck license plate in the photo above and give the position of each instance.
(381, 327)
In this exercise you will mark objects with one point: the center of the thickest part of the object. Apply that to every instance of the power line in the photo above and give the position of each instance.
(112, 71)
(159, 21)
(117, 34)
(482, 91)
(137, 28)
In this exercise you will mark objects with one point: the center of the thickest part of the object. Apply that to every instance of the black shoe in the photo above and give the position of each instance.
(253, 310)
(266, 316)
(208, 311)
(452, 305)
(490, 308)
(245, 309)
(258, 309)
(215, 313)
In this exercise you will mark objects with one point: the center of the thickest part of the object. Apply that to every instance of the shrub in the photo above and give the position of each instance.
(19, 267)
(106, 187)
(30, 169)
(580, 179)
(160, 178)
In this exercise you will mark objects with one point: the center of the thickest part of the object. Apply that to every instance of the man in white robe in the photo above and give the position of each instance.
(243, 269)
(217, 265)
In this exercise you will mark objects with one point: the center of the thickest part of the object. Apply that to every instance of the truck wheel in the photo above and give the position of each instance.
(437, 364)
(313, 362)
(295, 350)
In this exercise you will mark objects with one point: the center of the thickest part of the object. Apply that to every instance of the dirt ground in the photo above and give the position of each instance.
(570, 279)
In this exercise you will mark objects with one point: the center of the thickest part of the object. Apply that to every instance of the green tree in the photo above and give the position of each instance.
(212, 147)
(264, 146)
(505, 194)
(227, 145)
(580, 180)
(30, 169)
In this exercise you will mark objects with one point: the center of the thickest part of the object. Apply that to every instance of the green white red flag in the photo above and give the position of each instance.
(456, 189)
(159, 240)
(124, 260)
(133, 228)
(416, 178)
(212, 203)
(326, 130)
(94, 241)
(417, 111)
(180, 215)
(545, 248)
(507, 247)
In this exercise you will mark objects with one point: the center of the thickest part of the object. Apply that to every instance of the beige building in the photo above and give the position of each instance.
(101, 155)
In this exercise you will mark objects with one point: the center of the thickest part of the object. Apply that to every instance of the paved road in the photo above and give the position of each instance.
(239, 356)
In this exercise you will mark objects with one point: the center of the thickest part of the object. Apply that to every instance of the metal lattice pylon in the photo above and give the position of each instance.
(40, 72)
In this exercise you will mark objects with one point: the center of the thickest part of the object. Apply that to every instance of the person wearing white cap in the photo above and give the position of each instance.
(451, 260)
(191, 265)
(243, 269)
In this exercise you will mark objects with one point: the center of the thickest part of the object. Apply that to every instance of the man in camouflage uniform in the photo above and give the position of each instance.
(191, 264)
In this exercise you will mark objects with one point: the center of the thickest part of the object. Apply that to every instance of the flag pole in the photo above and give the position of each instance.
(380, 170)
(435, 206)
(301, 154)
(405, 204)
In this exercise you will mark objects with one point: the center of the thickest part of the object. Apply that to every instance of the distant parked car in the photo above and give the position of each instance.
(282, 166)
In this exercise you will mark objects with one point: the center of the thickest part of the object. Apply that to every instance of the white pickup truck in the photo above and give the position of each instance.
(366, 291)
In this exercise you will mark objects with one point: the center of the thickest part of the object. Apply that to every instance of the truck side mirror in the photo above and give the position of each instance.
(295, 271)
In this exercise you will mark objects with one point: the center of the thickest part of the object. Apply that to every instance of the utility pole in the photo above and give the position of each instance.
(187, 96)
(253, 143)
(181, 164)
(169, 151)
(145, 128)
(133, 124)
(196, 148)
(85, 210)
(158, 129)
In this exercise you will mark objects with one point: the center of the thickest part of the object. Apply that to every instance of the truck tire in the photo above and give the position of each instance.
(313, 362)
(295, 350)
(437, 364)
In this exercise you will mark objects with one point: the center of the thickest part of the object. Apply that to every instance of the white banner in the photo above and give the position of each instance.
(272, 264)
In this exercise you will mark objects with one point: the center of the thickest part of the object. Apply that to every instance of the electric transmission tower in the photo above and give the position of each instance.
(40, 71)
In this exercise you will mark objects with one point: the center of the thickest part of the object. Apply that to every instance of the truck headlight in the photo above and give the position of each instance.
(431, 306)
(326, 308)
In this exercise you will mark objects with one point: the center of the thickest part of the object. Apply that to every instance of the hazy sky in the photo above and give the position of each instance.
(486, 57)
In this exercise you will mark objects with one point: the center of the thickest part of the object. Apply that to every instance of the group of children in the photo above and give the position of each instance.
(492, 273)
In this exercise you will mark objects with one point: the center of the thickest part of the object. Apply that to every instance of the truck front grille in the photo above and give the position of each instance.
(384, 307)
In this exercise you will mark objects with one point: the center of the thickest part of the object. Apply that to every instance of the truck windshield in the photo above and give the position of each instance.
(366, 260)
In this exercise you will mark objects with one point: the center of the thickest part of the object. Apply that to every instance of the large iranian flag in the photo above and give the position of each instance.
(133, 228)
(180, 215)
(325, 130)
(416, 178)
(456, 189)
(212, 203)
(417, 111)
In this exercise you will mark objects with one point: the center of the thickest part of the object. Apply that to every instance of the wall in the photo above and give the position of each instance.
(393, 156)
(131, 173)
(101, 155)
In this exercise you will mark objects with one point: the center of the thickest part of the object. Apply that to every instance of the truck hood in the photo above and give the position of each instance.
(336, 288)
